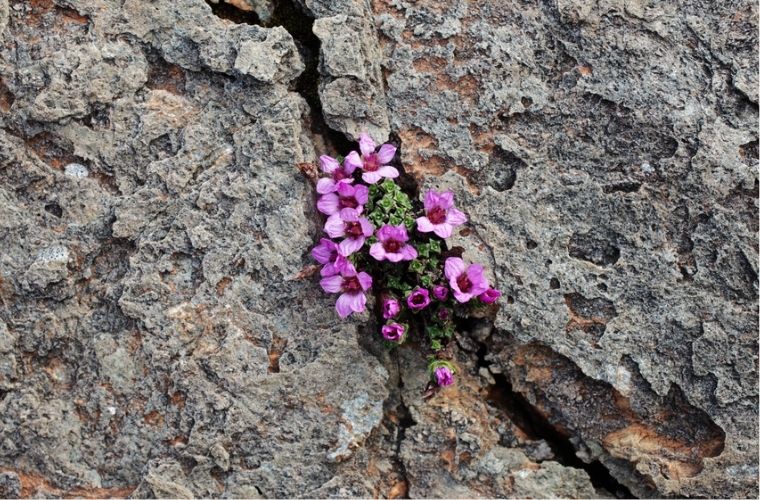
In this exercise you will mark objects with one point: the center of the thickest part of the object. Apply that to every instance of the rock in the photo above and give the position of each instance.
(161, 330)
(617, 205)
(273, 60)
(351, 84)
(148, 305)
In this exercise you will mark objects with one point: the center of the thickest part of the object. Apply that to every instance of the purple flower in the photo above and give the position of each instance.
(348, 223)
(440, 292)
(392, 244)
(328, 253)
(353, 285)
(443, 376)
(466, 281)
(347, 196)
(443, 314)
(418, 299)
(393, 332)
(373, 163)
(490, 296)
(339, 175)
(440, 214)
(391, 307)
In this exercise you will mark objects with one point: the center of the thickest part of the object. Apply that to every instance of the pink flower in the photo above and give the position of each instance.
(347, 196)
(443, 376)
(440, 214)
(440, 292)
(391, 307)
(466, 281)
(418, 299)
(328, 254)
(353, 285)
(339, 175)
(348, 223)
(373, 163)
(393, 332)
(490, 296)
(392, 244)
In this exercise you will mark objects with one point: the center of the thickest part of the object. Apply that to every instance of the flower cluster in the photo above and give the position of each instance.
(380, 240)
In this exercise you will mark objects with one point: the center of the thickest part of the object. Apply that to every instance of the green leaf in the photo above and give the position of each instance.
(435, 246)
(417, 266)
(426, 281)
(423, 250)
(388, 186)
(385, 203)
(436, 345)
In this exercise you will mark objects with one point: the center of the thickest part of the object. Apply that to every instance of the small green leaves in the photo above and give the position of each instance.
(417, 266)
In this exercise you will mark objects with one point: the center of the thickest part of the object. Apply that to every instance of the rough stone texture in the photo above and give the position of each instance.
(606, 153)
(161, 331)
(351, 86)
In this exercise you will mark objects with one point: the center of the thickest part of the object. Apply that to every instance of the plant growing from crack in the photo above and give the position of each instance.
(380, 239)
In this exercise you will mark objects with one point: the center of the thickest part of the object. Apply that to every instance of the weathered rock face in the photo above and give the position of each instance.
(608, 161)
(161, 333)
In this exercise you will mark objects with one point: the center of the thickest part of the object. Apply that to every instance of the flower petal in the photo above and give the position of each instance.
(325, 185)
(328, 203)
(366, 144)
(323, 252)
(331, 284)
(361, 193)
(409, 252)
(453, 268)
(443, 230)
(329, 269)
(334, 226)
(365, 280)
(477, 277)
(352, 162)
(328, 164)
(349, 215)
(377, 251)
(462, 297)
(455, 217)
(386, 153)
(431, 200)
(371, 177)
(358, 302)
(394, 257)
(400, 234)
(351, 245)
(343, 305)
(446, 199)
(367, 227)
(388, 172)
(345, 189)
(424, 225)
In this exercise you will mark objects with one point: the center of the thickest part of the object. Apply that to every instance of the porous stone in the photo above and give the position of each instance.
(162, 332)
(616, 204)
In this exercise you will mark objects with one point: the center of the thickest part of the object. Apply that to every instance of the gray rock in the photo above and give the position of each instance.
(617, 204)
(162, 333)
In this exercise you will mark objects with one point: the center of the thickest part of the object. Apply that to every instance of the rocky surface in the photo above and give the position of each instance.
(161, 331)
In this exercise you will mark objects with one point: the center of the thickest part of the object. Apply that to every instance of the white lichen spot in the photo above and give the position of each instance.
(57, 253)
(76, 170)
(647, 168)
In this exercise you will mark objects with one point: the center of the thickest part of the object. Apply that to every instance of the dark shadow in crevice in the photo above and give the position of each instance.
(231, 13)
(535, 425)
(290, 16)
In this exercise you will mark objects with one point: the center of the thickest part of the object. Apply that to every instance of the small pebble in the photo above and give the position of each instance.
(76, 170)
